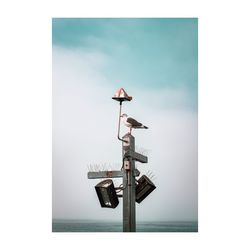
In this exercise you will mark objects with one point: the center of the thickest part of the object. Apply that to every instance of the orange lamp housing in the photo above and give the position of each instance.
(121, 95)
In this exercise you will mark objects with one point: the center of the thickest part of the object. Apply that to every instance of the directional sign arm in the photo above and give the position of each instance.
(108, 174)
(136, 156)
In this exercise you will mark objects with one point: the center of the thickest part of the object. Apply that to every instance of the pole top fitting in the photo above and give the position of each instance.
(121, 96)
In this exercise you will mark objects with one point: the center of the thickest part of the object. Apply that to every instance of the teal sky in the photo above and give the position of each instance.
(147, 53)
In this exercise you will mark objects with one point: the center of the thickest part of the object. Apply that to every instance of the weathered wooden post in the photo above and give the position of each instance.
(129, 224)
(129, 173)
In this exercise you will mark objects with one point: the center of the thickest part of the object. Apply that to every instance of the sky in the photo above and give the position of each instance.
(156, 62)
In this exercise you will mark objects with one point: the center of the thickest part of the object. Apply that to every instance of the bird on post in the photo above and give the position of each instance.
(131, 123)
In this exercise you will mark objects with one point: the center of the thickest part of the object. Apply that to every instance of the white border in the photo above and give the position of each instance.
(223, 124)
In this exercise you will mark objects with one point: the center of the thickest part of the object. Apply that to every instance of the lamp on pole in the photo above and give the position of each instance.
(132, 192)
(121, 96)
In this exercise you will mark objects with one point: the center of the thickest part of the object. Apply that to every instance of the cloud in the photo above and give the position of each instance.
(150, 53)
(84, 132)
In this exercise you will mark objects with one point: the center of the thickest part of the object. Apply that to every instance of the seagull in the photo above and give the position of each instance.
(131, 123)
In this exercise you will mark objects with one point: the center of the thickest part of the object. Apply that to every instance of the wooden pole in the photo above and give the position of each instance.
(128, 146)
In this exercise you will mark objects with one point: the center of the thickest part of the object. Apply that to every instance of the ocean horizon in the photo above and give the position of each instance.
(62, 225)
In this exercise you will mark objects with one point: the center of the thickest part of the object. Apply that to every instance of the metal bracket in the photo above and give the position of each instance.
(127, 165)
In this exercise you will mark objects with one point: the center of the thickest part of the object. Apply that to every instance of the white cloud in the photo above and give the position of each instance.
(85, 129)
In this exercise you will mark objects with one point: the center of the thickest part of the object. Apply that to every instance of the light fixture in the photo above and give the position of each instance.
(106, 193)
(121, 96)
(143, 188)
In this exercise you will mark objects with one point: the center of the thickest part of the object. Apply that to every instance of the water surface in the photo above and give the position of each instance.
(107, 226)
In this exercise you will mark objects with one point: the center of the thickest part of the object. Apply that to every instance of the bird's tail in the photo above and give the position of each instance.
(145, 127)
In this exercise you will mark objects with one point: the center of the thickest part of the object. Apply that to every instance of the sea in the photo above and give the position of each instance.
(107, 226)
